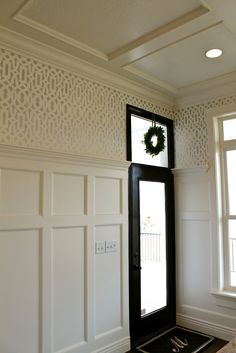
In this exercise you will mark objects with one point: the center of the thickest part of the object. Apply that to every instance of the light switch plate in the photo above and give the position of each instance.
(100, 247)
(111, 246)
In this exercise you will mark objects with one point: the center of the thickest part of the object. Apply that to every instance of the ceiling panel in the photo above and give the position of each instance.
(159, 44)
(104, 25)
(184, 63)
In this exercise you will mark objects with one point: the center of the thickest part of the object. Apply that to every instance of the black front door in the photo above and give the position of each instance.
(152, 251)
(151, 228)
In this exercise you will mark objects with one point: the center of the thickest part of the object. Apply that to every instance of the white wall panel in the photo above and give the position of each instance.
(56, 294)
(69, 302)
(108, 279)
(195, 250)
(194, 196)
(20, 192)
(68, 194)
(108, 195)
(20, 291)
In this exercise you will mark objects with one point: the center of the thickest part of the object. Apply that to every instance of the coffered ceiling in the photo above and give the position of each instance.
(159, 43)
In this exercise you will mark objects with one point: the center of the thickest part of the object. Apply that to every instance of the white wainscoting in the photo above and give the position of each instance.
(197, 308)
(56, 294)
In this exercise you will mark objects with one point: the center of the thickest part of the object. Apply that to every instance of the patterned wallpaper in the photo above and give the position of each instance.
(45, 107)
(191, 140)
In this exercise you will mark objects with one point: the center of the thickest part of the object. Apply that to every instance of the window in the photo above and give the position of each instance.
(138, 123)
(225, 157)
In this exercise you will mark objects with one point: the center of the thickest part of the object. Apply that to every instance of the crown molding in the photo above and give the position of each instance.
(156, 81)
(55, 57)
(206, 91)
(60, 157)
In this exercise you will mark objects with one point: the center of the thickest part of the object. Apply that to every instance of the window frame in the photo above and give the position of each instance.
(222, 179)
(131, 110)
(220, 271)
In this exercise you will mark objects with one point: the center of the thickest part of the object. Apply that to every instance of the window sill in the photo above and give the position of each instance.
(225, 298)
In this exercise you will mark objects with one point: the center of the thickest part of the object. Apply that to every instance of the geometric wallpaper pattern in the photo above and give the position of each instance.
(46, 107)
(191, 138)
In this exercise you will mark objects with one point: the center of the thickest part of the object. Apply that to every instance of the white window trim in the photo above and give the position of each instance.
(217, 268)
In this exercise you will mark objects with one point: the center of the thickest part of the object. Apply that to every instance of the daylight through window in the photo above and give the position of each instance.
(227, 186)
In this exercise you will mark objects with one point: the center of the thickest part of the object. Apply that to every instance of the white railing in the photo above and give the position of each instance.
(150, 247)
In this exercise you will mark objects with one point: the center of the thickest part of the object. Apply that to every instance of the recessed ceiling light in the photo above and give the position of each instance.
(214, 53)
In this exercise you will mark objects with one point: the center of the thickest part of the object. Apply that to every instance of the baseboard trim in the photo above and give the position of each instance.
(225, 333)
(120, 346)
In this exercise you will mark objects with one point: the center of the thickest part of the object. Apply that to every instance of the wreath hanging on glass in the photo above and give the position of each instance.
(153, 147)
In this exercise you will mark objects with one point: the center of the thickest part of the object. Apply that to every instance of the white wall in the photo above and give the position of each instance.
(56, 294)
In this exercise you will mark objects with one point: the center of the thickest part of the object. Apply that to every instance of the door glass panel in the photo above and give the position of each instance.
(231, 172)
(139, 127)
(152, 246)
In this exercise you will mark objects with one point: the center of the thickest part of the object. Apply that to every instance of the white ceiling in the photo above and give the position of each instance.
(159, 43)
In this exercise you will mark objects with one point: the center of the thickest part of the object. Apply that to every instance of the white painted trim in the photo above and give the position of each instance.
(217, 268)
(120, 346)
(153, 79)
(58, 157)
(206, 91)
(187, 171)
(34, 49)
(220, 331)
(19, 17)
(224, 299)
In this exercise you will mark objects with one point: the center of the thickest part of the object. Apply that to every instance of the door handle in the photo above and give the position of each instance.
(137, 267)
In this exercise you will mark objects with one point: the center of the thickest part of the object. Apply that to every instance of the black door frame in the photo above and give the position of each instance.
(149, 325)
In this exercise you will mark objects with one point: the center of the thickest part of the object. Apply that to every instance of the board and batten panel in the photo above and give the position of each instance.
(69, 302)
(195, 253)
(20, 192)
(108, 195)
(57, 295)
(69, 194)
(20, 292)
(108, 282)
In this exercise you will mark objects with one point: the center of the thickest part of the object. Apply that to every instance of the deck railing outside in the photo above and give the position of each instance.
(150, 244)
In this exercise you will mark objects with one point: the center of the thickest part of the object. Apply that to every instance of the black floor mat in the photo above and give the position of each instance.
(177, 340)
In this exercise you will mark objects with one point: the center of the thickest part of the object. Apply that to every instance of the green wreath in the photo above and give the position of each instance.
(160, 145)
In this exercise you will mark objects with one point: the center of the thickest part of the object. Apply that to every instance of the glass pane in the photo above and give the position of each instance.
(139, 127)
(231, 172)
(229, 128)
(152, 246)
(232, 251)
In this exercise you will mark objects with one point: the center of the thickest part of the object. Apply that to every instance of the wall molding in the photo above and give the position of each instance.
(186, 171)
(120, 346)
(207, 327)
(58, 157)
(45, 53)
(206, 91)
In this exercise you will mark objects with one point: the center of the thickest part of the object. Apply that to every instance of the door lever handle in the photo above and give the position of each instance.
(137, 267)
